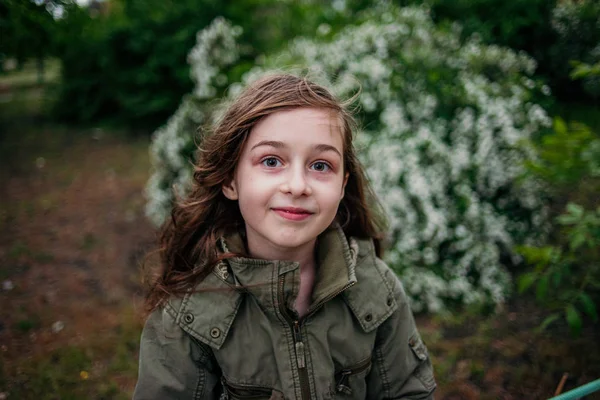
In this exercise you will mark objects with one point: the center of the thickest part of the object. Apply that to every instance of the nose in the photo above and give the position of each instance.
(296, 183)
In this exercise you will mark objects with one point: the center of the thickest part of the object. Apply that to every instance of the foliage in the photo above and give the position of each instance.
(26, 29)
(128, 65)
(566, 275)
(443, 120)
(577, 25)
(553, 32)
(523, 25)
(519, 24)
(567, 156)
(583, 70)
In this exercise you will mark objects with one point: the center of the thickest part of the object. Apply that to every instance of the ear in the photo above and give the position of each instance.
(230, 190)
(344, 185)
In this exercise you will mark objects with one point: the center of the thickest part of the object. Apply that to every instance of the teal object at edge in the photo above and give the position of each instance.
(580, 391)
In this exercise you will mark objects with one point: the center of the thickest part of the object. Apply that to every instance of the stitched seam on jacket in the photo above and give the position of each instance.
(207, 353)
(194, 333)
(344, 240)
(171, 311)
(427, 382)
(201, 386)
(384, 379)
(389, 288)
(385, 315)
(383, 278)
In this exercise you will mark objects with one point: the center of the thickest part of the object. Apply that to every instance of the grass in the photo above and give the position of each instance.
(503, 356)
(28, 76)
(103, 368)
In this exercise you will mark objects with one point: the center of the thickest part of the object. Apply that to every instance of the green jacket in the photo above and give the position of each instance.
(236, 336)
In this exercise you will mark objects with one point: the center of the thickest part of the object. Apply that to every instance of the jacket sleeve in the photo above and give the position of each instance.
(172, 365)
(401, 367)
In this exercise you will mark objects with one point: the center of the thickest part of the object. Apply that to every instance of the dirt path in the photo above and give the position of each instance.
(72, 233)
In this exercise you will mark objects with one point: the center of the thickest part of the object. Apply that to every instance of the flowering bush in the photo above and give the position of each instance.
(443, 120)
(173, 145)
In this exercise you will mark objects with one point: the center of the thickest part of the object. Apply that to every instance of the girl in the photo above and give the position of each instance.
(272, 286)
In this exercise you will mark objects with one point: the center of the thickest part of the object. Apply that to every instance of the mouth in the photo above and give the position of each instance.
(293, 213)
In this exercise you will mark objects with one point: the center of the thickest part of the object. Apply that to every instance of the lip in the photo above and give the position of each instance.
(293, 213)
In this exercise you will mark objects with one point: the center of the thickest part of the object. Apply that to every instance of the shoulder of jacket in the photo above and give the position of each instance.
(374, 298)
(207, 312)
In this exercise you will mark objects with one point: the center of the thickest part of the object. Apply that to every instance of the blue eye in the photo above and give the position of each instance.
(320, 166)
(271, 162)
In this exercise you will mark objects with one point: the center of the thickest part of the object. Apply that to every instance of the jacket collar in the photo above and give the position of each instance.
(207, 312)
(335, 270)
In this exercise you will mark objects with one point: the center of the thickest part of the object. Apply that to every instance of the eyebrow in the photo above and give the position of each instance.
(271, 143)
(281, 145)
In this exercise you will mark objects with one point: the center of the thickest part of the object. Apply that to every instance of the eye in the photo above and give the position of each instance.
(271, 162)
(320, 166)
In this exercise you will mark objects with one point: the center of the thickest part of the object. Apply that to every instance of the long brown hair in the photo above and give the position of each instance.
(188, 240)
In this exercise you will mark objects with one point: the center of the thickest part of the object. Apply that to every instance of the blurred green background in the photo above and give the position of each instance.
(84, 85)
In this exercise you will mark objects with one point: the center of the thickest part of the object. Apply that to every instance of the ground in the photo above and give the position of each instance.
(72, 241)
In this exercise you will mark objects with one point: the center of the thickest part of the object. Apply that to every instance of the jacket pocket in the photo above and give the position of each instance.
(232, 391)
(348, 378)
(423, 371)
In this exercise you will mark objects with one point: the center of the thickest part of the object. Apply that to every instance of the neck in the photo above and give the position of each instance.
(303, 255)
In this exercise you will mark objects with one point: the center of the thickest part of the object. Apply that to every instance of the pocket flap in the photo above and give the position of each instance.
(418, 347)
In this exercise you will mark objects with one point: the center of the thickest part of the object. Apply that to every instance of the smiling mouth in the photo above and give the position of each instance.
(293, 213)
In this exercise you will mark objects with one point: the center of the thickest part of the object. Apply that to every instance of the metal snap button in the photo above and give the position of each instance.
(368, 317)
(188, 318)
(215, 333)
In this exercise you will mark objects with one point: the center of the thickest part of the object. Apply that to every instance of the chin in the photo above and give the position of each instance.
(285, 241)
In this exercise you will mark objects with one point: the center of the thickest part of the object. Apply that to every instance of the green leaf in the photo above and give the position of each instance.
(526, 280)
(540, 256)
(588, 306)
(575, 210)
(556, 278)
(542, 288)
(577, 239)
(567, 219)
(546, 323)
(559, 126)
(573, 319)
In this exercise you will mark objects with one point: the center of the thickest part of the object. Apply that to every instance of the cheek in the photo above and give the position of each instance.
(252, 194)
(330, 194)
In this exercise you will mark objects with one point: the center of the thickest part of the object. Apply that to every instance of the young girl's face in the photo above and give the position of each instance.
(289, 180)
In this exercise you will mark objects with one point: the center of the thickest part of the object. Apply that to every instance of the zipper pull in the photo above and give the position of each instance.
(342, 386)
(300, 357)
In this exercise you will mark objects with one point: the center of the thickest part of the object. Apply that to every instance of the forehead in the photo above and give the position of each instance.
(300, 125)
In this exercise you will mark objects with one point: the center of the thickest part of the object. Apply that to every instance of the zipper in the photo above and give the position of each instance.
(298, 344)
(342, 384)
(296, 326)
(234, 392)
